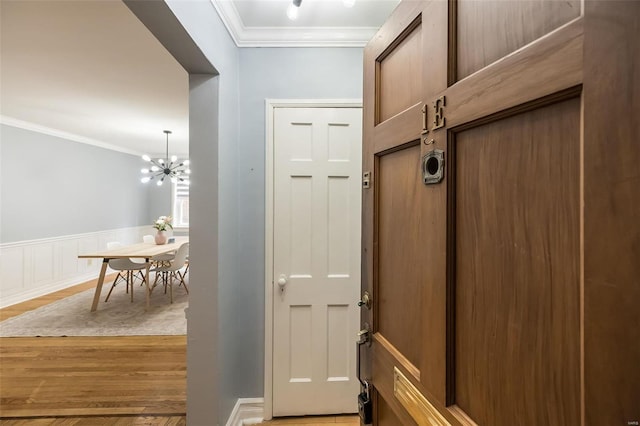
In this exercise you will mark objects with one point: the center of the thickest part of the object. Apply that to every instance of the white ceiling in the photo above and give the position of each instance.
(319, 22)
(90, 71)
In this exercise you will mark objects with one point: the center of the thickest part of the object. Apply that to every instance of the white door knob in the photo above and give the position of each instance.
(282, 281)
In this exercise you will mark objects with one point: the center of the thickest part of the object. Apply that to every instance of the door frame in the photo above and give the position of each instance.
(270, 106)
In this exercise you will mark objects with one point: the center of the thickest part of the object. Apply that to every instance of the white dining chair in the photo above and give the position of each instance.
(127, 270)
(161, 259)
(172, 271)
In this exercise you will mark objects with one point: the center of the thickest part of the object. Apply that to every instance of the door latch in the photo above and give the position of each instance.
(364, 337)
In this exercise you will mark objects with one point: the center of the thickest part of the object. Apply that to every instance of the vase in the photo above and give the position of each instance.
(161, 237)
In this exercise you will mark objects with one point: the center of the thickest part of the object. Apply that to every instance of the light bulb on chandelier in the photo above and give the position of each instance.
(166, 168)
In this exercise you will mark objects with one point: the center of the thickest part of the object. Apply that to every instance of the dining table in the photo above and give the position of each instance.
(134, 251)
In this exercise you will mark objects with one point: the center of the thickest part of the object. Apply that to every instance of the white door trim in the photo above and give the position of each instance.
(270, 106)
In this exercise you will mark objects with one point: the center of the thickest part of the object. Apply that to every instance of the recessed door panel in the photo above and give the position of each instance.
(517, 278)
(489, 30)
(399, 283)
(399, 74)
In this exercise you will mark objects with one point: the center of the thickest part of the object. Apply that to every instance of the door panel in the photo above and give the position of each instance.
(399, 273)
(517, 280)
(402, 60)
(316, 255)
(489, 30)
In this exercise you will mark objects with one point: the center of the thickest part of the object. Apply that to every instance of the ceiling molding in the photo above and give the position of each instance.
(9, 121)
(291, 36)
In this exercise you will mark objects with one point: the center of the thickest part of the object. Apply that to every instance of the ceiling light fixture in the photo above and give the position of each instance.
(166, 167)
(292, 11)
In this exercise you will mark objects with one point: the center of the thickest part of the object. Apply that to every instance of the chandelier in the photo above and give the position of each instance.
(166, 168)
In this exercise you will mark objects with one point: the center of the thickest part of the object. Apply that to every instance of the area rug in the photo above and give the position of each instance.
(119, 316)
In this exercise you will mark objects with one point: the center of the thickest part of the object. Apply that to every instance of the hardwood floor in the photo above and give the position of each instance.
(73, 381)
(99, 421)
(90, 380)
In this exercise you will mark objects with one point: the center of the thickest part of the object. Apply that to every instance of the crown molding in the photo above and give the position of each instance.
(9, 121)
(290, 36)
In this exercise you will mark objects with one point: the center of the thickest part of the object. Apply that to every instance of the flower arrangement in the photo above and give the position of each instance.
(163, 223)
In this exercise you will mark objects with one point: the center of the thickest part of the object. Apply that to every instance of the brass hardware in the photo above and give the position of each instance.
(416, 404)
(365, 301)
(366, 179)
(427, 141)
(433, 167)
(424, 120)
(365, 403)
(364, 336)
(438, 113)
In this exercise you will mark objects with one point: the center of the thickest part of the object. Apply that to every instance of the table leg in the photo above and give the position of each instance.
(146, 281)
(96, 296)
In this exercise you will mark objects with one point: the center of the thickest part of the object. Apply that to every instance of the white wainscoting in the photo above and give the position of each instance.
(34, 268)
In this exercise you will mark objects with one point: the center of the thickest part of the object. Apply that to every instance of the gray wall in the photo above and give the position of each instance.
(276, 73)
(51, 187)
(159, 200)
(205, 27)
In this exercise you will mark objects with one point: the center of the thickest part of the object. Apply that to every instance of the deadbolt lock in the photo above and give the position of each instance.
(365, 301)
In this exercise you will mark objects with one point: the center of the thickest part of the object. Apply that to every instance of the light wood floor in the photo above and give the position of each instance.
(133, 380)
(80, 380)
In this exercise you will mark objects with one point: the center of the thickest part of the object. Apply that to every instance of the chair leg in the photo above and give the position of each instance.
(118, 277)
(110, 290)
(155, 282)
(140, 276)
(131, 276)
(171, 286)
(182, 281)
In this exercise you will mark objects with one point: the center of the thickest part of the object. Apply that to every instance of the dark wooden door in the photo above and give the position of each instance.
(474, 235)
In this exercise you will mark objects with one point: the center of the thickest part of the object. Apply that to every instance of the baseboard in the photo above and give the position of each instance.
(41, 291)
(247, 411)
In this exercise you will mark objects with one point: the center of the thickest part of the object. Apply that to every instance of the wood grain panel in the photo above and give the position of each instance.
(489, 30)
(517, 283)
(546, 67)
(386, 416)
(612, 213)
(397, 130)
(399, 75)
(399, 278)
(383, 364)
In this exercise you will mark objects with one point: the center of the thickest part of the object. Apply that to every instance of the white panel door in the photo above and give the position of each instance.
(317, 204)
